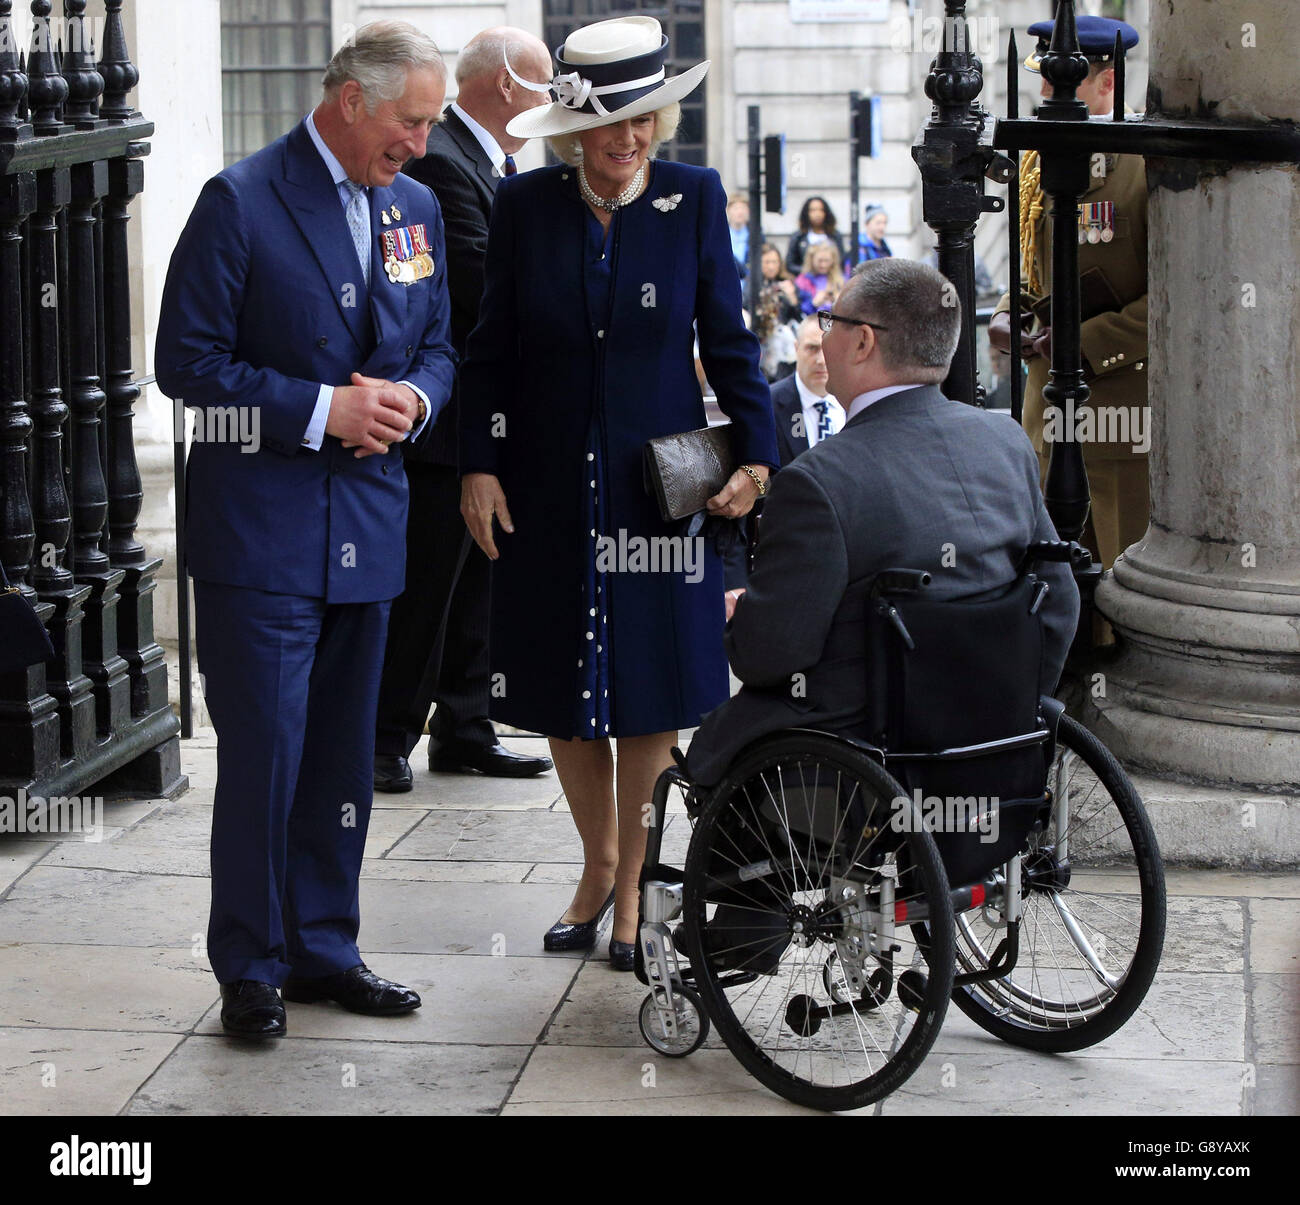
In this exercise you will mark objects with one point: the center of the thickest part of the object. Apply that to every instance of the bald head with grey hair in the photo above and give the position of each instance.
(487, 90)
(918, 309)
(379, 58)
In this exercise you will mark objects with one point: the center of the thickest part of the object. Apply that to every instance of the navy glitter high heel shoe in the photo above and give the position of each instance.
(570, 935)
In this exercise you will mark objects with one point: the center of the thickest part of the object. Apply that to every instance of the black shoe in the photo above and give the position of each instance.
(568, 935)
(359, 990)
(392, 774)
(250, 1009)
(622, 955)
(494, 760)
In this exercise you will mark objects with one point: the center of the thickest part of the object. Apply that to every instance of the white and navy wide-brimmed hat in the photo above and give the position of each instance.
(608, 72)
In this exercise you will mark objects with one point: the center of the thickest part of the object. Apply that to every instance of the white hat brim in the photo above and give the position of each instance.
(546, 121)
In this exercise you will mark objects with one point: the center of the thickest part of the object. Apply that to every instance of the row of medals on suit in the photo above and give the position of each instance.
(407, 257)
(1097, 222)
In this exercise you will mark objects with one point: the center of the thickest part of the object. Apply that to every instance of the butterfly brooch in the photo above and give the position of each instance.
(667, 204)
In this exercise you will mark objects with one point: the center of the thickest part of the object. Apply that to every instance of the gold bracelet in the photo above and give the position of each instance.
(758, 481)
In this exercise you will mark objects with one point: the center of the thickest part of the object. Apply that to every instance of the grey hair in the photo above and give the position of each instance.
(568, 147)
(919, 307)
(486, 54)
(379, 58)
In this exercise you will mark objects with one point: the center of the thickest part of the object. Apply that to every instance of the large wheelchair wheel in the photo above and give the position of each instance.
(797, 895)
(1093, 927)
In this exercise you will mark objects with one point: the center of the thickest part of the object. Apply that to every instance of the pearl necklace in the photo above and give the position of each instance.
(628, 194)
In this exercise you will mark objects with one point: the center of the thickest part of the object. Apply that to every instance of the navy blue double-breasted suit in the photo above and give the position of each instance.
(295, 552)
(584, 350)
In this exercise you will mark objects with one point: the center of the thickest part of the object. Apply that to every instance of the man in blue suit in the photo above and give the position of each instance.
(308, 291)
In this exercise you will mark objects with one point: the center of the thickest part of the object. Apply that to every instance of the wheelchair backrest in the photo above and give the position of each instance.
(949, 674)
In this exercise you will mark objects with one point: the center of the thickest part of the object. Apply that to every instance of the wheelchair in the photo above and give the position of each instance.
(834, 897)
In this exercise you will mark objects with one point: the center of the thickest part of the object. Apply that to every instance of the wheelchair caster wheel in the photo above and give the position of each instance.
(912, 987)
(692, 1023)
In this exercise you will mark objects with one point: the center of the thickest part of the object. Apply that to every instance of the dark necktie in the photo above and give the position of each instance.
(824, 428)
(510, 167)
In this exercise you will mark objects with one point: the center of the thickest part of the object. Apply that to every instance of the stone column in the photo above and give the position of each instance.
(1206, 684)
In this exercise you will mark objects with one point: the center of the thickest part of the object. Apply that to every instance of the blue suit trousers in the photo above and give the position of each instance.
(291, 684)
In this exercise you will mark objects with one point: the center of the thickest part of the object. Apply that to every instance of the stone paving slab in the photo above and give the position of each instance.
(49, 1072)
(1277, 1091)
(1204, 934)
(1275, 1003)
(1275, 936)
(75, 906)
(1197, 1017)
(129, 988)
(532, 836)
(459, 918)
(584, 1080)
(15, 859)
(1021, 1083)
(402, 870)
(134, 857)
(206, 1076)
(474, 1001)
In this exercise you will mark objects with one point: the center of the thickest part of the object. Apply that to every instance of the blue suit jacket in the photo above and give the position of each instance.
(264, 303)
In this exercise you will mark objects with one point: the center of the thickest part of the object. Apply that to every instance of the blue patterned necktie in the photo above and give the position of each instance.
(358, 215)
(509, 168)
(824, 428)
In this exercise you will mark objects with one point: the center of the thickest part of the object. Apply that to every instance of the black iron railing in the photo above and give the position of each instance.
(71, 160)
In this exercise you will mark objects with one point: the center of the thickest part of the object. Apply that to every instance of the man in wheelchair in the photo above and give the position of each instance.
(905, 625)
(913, 480)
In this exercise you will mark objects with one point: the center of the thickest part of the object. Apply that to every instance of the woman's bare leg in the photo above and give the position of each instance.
(641, 759)
(586, 771)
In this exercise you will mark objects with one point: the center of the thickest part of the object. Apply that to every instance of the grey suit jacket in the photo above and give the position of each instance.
(914, 481)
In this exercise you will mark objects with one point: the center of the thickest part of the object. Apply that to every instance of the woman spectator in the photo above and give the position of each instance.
(597, 271)
(821, 279)
(871, 242)
(780, 309)
(816, 225)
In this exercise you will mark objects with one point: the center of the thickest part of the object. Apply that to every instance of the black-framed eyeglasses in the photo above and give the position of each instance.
(825, 318)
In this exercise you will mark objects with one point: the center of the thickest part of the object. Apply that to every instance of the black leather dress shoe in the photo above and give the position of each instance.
(359, 990)
(494, 760)
(250, 1009)
(567, 935)
(392, 774)
(622, 955)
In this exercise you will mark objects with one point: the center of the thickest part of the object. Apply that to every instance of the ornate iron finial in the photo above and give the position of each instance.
(46, 88)
(119, 73)
(1064, 67)
(84, 83)
(956, 75)
(13, 80)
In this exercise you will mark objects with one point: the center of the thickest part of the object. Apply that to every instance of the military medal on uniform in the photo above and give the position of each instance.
(407, 257)
(1097, 222)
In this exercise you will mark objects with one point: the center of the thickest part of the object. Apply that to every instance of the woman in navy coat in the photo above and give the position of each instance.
(601, 273)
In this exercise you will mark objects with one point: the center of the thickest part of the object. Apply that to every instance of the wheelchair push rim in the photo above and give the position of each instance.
(793, 884)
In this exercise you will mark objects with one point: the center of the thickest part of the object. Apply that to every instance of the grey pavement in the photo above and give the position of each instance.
(108, 1006)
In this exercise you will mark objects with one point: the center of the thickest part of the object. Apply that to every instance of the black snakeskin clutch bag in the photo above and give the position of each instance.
(682, 472)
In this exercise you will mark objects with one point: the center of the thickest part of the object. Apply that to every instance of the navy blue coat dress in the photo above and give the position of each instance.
(584, 350)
